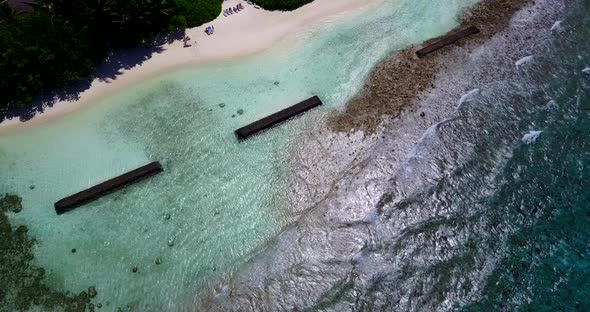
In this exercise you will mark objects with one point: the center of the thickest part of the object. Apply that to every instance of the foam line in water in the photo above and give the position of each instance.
(421, 253)
(221, 201)
(556, 27)
(469, 95)
(524, 61)
(531, 137)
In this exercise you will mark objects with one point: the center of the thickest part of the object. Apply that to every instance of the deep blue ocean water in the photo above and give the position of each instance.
(506, 224)
(492, 212)
(545, 194)
(489, 212)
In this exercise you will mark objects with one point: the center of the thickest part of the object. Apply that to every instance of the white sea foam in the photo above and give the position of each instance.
(468, 96)
(531, 137)
(586, 70)
(552, 105)
(556, 27)
(525, 60)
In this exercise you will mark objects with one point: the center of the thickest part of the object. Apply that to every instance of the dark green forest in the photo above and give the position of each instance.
(281, 5)
(60, 42)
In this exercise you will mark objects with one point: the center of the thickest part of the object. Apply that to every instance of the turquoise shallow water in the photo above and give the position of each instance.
(224, 198)
(489, 212)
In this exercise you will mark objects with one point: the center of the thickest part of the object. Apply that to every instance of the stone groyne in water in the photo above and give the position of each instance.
(277, 118)
(339, 180)
(403, 220)
(95, 192)
(399, 82)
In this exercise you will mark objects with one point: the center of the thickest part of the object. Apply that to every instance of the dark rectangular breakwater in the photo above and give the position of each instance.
(447, 39)
(104, 188)
(277, 117)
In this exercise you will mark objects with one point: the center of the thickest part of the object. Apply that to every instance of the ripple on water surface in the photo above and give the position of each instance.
(218, 200)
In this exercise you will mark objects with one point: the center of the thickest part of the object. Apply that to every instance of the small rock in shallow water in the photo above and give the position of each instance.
(221, 104)
(240, 111)
(135, 269)
(99, 305)
(73, 250)
(32, 187)
(92, 292)
(167, 216)
(276, 83)
(233, 116)
(422, 114)
(170, 242)
(158, 260)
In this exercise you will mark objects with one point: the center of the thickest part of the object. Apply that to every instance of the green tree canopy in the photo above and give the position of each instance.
(61, 41)
(281, 5)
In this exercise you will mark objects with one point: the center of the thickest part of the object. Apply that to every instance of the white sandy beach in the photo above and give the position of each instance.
(241, 34)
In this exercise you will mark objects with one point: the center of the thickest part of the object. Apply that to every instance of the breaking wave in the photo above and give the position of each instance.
(472, 219)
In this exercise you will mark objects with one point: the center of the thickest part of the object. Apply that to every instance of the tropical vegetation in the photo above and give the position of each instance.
(59, 42)
(281, 5)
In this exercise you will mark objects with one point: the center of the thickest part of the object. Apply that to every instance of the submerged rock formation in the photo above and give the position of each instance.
(403, 228)
(22, 284)
(398, 83)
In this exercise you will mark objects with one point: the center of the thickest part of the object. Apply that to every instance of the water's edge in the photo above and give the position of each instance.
(312, 265)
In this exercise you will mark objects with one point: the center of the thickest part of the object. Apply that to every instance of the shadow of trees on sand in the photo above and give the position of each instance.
(109, 69)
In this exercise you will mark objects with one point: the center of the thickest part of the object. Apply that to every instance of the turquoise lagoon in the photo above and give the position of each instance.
(225, 199)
